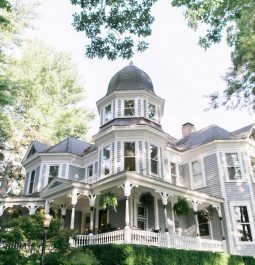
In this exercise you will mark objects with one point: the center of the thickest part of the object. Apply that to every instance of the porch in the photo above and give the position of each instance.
(149, 238)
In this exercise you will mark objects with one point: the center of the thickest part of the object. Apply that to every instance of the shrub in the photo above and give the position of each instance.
(81, 258)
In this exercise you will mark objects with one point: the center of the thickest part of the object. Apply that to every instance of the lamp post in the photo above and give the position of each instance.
(46, 223)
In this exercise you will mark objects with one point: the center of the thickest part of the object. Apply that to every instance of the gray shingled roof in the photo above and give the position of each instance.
(131, 121)
(40, 147)
(70, 145)
(203, 136)
(130, 78)
(243, 132)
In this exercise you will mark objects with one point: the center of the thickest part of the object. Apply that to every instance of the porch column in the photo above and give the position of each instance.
(2, 208)
(194, 207)
(63, 215)
(74, 199)
(165, 196)
(127, 186)
(172, 211)
(92, 200)
(156, 217)
(47, 206)
(221, 221)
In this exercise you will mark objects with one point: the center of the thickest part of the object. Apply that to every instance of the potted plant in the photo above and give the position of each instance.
(109, 200)
(181, 207)
(146, 199)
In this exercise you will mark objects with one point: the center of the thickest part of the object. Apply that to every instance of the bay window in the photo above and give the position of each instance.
(151, 112)
(108, 113)
(53, 173)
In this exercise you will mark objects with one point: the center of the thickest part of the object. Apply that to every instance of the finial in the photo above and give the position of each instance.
(131, 63)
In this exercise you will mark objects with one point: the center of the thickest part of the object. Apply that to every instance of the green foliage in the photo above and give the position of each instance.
(111, 26)
(109, 200)
(81, 258)
(54, 258)
(132, 255)
(146, 199)
(181, 207)
(11, 257)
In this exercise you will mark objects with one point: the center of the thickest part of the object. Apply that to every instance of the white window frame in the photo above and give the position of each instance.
(48, 171)
(242, 179)
(252, 170)
(144, 219)
(176, 175)
(30, 175)
(149, 158)
(155, 116)
(200, 160)
(91, 165)
(123, 109)
(251, 220)
(123, 152)
(104, 113)
(110, 160)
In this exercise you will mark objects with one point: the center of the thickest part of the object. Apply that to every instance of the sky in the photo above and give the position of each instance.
(182, 72)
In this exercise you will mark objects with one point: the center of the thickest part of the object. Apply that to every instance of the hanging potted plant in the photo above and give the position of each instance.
(181, 207)
(146, 199)
(109, 200)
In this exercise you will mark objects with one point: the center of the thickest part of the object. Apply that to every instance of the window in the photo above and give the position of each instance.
(233, 166)
(203, 224)
(152, 112)
(173, 172)
(108, 113)
(154, 159)
(106, 159)
(129, 107)
(142, 217)
(32, 180)
(53, 173)
(197, 174)
(253, 167)
(129, 156)
(243, 225)
(90, 171)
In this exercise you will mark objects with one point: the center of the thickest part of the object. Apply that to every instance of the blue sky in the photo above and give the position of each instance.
(181, 71)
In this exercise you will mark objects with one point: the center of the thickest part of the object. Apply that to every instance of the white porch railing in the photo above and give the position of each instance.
(141, 237)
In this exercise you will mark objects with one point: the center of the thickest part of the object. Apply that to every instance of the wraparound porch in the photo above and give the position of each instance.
(140, 237)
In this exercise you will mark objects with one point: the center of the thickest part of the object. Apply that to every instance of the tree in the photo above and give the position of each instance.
(46, 106)
(107, 24)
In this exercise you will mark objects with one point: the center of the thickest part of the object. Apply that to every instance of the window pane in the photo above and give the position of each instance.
(32, 179)
(196, 167)
(154, 152)
(90, 170)
(173, 169)
(129, 149)
(154, 166)
(244, 232)
(106, 152)
(129, 107)
(151, 111)
(53, 173)
(130, 163)
(198, 180)
(108, 113)
(234, 173)
(232, 159)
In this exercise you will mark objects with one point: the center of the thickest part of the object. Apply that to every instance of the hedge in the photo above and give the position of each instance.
(144, 255)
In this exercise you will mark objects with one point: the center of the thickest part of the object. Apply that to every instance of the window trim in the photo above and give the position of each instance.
(251, 221)
(240, 163)
(201, 160)
(177, 173)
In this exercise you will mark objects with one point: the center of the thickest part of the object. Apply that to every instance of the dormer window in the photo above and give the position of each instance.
(152, 112)
(108, 113)
(129, 107)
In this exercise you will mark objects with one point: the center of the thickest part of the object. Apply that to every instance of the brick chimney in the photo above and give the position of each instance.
(187, 129)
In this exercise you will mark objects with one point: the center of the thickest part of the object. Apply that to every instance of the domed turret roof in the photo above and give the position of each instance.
(130, 78)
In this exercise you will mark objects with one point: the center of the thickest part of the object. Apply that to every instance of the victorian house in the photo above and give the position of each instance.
(212, 171)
